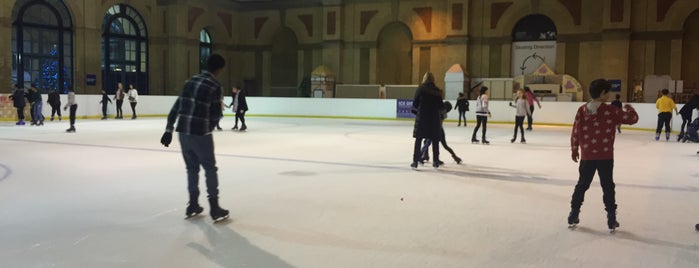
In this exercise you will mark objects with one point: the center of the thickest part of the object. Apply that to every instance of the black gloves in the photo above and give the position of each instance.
(166, 139)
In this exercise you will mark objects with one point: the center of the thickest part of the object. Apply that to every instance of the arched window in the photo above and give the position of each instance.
(535, 27)
(533, 44)
(204, 48)
(124, 49)
(42, 44)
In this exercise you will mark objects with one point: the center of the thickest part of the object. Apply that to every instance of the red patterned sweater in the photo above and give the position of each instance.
(594, 133)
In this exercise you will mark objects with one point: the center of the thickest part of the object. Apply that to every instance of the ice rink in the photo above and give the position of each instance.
(336, 193)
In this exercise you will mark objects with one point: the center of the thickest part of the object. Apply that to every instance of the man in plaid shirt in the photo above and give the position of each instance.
(199, 109)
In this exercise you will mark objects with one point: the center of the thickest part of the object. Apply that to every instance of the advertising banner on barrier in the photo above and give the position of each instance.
(403, 107)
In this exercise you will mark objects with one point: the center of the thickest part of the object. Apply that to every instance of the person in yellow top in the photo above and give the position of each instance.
(665, 106)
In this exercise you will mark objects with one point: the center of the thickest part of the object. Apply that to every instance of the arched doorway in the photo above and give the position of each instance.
(395, 55)
(533, 43)
(42, 45)
(690, 51)
(284, 60)
(124, 49)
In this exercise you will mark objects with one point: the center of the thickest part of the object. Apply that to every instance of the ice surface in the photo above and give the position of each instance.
(327, 193)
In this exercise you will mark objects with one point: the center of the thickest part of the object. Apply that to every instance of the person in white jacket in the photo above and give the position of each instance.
(73, 108)
(133, 99)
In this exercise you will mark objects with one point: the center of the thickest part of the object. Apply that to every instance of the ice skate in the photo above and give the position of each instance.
(523, 141)
(413, 165)
(573, 219)
(474, 140)
(513, 140)
(52, 119)
(696, 227)
(193, 209)
(612, 223)
(485, 142)
(217, 213)
(437, 163)
(234, 128)
(71, 130)
(243, 128)
(456, 159)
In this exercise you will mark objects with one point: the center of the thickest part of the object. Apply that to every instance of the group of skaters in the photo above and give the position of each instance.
(592, 137)
(20, 97)
(131, 95)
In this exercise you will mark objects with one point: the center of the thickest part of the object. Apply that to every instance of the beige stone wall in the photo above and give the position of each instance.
(591, 44)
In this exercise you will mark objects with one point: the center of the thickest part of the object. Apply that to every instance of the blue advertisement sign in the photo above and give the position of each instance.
(403, 107)
(91, 79)
(616, 85)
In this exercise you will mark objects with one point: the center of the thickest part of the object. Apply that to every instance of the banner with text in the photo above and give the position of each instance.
(527, 56)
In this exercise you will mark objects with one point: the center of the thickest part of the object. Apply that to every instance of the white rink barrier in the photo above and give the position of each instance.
(552, 113)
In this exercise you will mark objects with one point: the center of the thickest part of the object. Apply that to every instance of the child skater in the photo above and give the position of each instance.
(617, 102)
(105, 99)
(462, 105)
(240, 106)
(425, 152)
(665, 106)
(482, 114)
(593, 134)
(522, 106)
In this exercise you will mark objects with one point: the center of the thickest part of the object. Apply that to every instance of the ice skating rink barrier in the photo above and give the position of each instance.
(552, 113)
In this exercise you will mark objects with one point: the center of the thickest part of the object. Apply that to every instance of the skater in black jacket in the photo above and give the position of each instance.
(240, 106)
(17, 98)
(105, 99)
(462, 105)
(686, 113)
(55, 102)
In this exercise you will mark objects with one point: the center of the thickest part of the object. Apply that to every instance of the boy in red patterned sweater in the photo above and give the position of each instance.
(593, 132)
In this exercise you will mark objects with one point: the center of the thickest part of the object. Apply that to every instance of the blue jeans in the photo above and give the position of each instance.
(199, 151)
(36, 111)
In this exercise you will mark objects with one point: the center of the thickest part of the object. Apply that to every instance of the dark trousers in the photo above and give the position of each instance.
(417, 151)
(664, 119)
(530, 117)
(55, 109)
(462, 114)
(31, 111)
(424, 150)
(20, 113)
(685, 123)
(587, 171)
(73, 109)
(119, 111)
(199, 151)
(240, 115)
(480, 120)
(133, 110)
(519, 123)
(104, 110)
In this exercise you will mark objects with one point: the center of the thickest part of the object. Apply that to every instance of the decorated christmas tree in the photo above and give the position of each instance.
(49, 74)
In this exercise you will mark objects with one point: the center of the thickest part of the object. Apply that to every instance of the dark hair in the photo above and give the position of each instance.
(665, 91)
(215, 63)
(461, 94)
(483, 90)
(618, 96)
(527, 89)
(599, 87)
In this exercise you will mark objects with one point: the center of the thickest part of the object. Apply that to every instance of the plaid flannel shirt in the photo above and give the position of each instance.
(198, 107)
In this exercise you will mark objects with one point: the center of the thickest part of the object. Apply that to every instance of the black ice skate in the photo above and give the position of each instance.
(437, 163)
(456, 159)
(474, 140)
(485, 142)
(611, 221)
(413, 165)
(513, 140)
(573, 219)
(71, 130)
(243, 128)
(523, 141)
(193, 209)
(234, 128)
(217, 213)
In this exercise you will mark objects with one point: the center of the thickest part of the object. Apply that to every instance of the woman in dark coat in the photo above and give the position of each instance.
(426, 105)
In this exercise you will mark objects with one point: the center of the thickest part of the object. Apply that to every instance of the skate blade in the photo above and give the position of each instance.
(187, 217)
(220, 219)
(612, 231)
(572, 226)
